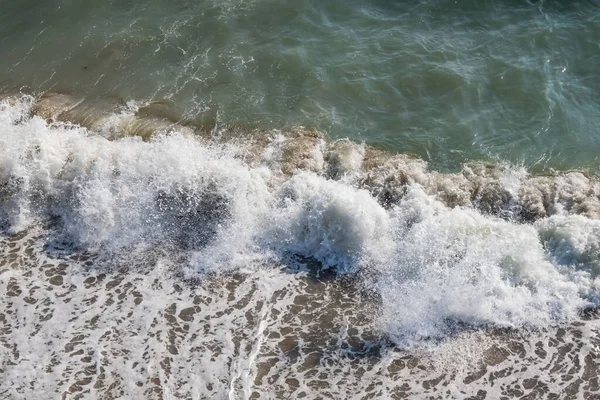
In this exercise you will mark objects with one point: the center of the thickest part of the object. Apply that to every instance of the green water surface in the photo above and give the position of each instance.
(449, 81)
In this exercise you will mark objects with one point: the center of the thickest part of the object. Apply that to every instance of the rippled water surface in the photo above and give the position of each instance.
(448, 81)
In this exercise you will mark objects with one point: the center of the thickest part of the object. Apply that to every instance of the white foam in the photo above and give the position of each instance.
(457, 265)
(431, 265)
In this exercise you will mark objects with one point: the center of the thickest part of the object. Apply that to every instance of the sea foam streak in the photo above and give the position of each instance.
(489, 246)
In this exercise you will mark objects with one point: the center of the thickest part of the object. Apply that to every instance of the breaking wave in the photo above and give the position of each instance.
(490, 245)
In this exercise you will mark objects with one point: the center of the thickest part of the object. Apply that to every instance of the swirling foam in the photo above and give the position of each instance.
(437, 250)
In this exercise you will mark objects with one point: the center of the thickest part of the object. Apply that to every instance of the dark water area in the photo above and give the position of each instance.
(450, 82)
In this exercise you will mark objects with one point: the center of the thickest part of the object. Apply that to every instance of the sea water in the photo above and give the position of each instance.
(255, 199)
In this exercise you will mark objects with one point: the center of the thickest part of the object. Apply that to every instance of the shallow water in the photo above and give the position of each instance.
(143, 333)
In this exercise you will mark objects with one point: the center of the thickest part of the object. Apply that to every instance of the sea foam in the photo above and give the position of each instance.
(488, 246)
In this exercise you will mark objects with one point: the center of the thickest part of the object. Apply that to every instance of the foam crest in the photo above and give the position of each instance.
(510, 193)
(437, 250)
(455, 265)
(572, 242)
(119, 193)
(340, 226)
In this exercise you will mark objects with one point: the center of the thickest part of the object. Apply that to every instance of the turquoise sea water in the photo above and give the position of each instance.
(449, 81)
(154, 245)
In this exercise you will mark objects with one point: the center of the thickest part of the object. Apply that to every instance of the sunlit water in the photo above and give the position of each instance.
(299, 200)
